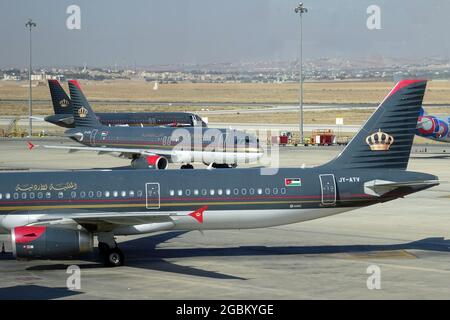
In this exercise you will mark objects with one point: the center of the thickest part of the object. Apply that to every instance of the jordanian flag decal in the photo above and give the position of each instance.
(293, 182)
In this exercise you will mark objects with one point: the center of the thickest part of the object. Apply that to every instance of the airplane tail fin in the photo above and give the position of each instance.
(386, 138)
(83, 114)
(60, 99)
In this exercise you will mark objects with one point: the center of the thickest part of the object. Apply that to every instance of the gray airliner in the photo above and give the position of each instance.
(57, 214)
(155, 147)
(63, 117)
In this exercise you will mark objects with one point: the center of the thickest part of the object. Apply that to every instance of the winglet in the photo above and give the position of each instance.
(30, 145)
(198, 214)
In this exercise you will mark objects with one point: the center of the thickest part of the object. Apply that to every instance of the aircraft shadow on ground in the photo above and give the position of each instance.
(34, 292)
(142, 253)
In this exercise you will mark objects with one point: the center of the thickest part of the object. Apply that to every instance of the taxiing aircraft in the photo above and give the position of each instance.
(57, 214)
(155, 147)
(63, 117)
(433, 127)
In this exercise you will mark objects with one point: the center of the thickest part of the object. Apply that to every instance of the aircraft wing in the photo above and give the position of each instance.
(103, 150)
(111, 220)
(380, 187)
(174, 155)
(37, 118)
(117, 218)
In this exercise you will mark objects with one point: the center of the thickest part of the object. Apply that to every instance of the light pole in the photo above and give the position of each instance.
(30, 24)
(301, 10)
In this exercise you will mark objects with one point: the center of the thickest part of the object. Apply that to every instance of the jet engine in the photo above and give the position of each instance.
(152, 162)
(40, 242)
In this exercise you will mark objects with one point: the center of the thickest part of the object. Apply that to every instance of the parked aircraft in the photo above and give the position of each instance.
(56, 214)
(433, 127)
(155, 147)
(63, 117)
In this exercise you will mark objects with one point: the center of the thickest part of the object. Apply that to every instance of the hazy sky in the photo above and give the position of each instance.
(149, 32)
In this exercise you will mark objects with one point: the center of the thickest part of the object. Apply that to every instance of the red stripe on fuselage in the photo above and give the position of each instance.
(224, 198)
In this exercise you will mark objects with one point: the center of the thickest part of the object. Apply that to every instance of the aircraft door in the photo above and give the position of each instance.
(328, 189)
(152, 196)
(92, 138)
(194, 121)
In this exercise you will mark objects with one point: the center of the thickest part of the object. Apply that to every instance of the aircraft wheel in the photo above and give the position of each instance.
(114, 258)
(187, 166)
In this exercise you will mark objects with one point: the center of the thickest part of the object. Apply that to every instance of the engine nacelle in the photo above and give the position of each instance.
(152, 162)
(40, 242)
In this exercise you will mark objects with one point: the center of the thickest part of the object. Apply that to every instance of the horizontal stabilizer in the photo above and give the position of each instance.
(380, 187)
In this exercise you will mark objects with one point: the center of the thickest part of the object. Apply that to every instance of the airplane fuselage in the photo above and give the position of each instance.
(163, 139)
(228, 201)
(134, 119)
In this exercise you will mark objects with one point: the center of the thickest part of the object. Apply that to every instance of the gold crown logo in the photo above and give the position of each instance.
(82, 112)
(379, 141)
(64, 103)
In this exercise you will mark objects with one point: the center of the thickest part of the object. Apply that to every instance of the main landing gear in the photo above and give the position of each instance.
(109, 251)
(187, 166)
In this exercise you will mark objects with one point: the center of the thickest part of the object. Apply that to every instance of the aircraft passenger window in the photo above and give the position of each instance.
(275, 191)
(267, 190)
(139, 193)
(219, 192)
(211, 192)
(7, 196)
(283, 190)
(1, 196)
(188, 192)
(115, 194)
(48, 195)
(235, 191)
(16, 196)
(99, 194)
(32, 195)
(91, 194)
(131, 193)
(259, 190)
(123, 193)
(180, 192)
(107, 194)
(244, 191)
(73, 194)
(82, 194)
(24, 195)
(60, 195)
(228, 192)
(251, 191)
(204, 192)
(196, 192)
(171, 192)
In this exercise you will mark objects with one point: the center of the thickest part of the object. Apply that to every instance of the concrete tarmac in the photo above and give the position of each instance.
(407, 240)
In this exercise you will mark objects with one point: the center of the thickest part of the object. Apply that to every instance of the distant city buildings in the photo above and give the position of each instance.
(320, 69)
